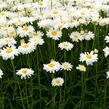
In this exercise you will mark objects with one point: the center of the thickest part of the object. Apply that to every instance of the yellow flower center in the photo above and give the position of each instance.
(35, 34)
(7, 41)
(58, 82)
(55, 12)
(51, 65)
(54, 33)
(11, 32)
(65, 45)
(76, 37)
(88, 56)
(82, 13)
(40, 3)
(26, 29)
(1, 14)
(40, 14)
(36, 41)
(92, 10)
(24, 72)
(9, 50)
(60, 25)
(18, 21)
(65, 66)
(25, 46)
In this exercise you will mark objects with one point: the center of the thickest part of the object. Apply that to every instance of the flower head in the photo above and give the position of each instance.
(81, 68)
(57, 81)
(52, 67)
(89, 58)
(66, 66)
(1, 73)
(9, 53)
(54, 34)
(25, 72)
(65, 45)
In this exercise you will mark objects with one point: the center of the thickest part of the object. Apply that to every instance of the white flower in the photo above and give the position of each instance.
(87, 35)
(9, 53)
(96, 51)
(57, 81)
(81, 68)
(107, 74)
(67, 66)
(25, 31)
(106, 51)
(54, 34)
(107, 39)
(17, 21)
(1, 73)
(26, 48)
(76, 36)
(55, 13)
(3, 31)
(36, 41)
(37, 34)
(25, 72)
(89, 58)
(52, 67)
(65, 45)
(11, 32)
(45, 23)
(7, 41)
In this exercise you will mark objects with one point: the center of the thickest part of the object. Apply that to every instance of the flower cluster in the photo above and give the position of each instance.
(24, 26)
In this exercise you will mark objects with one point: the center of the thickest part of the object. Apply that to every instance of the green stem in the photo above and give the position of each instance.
(17, 83)
(94, 40)
(26, 93)
(53, 95)
(15, 88)
(60, 91)
(28, 60)
(96, 84)
(51, 4)
(82, 94)
(54, 98)
(54, 48)
(105, 93)
(39, 78)
(65, 77)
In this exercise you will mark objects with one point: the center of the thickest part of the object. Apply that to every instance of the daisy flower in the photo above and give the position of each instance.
(9, 53)
(26, 48)
(7, 41)
(76, 36)
(106, 51)
(1, 73)
(52, 67)
(37, 34)
(25, 73)
(89, 58)
(11, 32)
(107, 39)
(107, 73)
(3, 31)
(57, 81)
(65, 45)
(36, 41)
(55, 34)
(81, 68)
(87, 35)
(55, 13)
(25, 31)
(67, 66)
